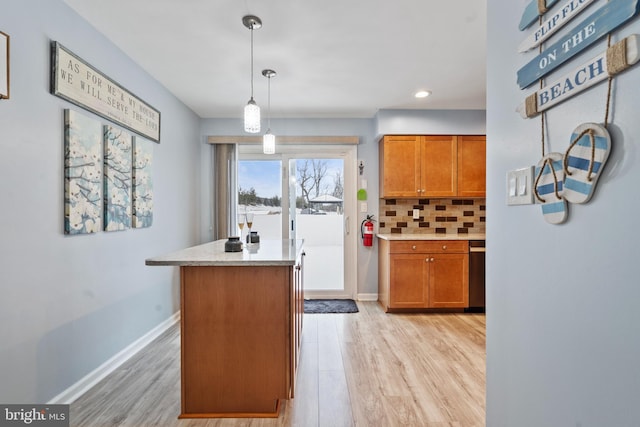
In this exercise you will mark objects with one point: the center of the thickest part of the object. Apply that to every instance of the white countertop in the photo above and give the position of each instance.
(432, 236)
(265, 253)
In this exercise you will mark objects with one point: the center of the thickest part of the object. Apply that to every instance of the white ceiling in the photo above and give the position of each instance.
(333, 58)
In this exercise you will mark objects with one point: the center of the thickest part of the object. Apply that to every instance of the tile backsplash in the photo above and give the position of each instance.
(449, 216)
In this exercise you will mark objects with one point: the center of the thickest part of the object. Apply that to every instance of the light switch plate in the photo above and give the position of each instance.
(520, 186)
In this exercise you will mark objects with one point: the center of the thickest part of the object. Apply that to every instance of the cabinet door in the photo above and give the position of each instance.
(439, 167)
(399, 166)
(472, 166)
(407, 285)
(449, 280)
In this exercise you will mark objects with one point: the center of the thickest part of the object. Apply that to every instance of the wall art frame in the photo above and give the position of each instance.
(4, 65)
(78, 82)
(83, 174)
(117, 178)
(142, 183)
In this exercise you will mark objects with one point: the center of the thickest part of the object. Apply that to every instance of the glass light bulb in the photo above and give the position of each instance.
(252, 117)
(269, 143)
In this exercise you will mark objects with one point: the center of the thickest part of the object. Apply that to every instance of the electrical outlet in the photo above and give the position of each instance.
(416, 214)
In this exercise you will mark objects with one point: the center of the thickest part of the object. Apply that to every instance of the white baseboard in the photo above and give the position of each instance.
(79, 388)
(367, 297)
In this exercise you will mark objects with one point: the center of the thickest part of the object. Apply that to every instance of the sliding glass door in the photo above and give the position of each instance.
(306, 194)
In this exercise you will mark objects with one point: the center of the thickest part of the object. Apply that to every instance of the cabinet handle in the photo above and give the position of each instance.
(444, 247)
(413, 247)
(426, 260)
(431, 259)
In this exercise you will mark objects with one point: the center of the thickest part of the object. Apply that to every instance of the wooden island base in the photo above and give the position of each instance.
(235, 356)
(241, 321)
(274, 414)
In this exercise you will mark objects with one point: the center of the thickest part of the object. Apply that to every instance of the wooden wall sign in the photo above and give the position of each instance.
(600, 23)
(531, 13)
(583, 77)
(566, 13)
(79, 83)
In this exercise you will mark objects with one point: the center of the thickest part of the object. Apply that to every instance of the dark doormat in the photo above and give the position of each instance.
(330, 306)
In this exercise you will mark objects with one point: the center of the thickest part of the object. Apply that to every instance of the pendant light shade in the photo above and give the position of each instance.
(251, 110)
(252, 117)
(269, 139)
(269, 143)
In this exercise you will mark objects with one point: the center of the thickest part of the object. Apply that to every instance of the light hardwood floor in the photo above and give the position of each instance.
(363, 369)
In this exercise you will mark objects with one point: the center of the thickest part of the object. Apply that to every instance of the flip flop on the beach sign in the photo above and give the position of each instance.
(566, 13)
(531, 13)
(606, 19)
(582, 78)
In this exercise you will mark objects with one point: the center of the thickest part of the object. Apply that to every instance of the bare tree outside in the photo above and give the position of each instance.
(319, 172)
(314, 179)
(310, 174)
(338, 187)
(305, 180)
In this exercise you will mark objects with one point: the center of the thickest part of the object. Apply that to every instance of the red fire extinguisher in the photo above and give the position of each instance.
(366, 231)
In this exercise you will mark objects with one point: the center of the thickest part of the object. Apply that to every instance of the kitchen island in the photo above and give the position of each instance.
(241, 324)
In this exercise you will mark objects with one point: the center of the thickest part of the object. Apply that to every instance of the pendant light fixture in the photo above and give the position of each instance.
(269, 139)
(251, 110)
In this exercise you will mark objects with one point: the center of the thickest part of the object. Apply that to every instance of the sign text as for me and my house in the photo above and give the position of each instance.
(80, 83)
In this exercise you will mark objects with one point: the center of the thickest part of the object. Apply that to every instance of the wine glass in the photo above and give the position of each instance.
(249, 217)
(241, 224)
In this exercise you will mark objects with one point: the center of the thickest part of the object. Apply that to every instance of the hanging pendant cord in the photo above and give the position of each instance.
(269, 103)
(251, 61)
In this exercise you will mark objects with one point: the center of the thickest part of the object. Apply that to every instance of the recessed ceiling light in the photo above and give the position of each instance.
(422, 94)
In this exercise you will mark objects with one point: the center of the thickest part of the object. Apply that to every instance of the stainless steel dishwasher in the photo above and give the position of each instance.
(476, 276)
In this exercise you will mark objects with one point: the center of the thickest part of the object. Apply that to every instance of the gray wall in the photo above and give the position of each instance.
(562, 320)
(70, 303)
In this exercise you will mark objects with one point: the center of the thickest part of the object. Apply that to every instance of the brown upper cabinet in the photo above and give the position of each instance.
(432, 166)
(472, 166)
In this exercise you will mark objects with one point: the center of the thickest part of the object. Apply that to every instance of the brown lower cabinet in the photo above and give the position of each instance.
(419, 274)
(241, 332)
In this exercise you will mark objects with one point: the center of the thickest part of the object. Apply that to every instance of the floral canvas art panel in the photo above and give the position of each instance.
(142, 183)
(117, 179)
(82, 174)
